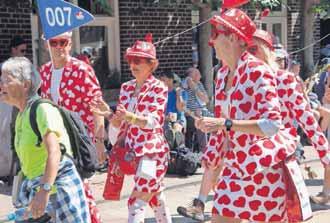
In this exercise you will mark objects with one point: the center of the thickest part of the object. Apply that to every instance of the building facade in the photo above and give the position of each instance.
(120, 23)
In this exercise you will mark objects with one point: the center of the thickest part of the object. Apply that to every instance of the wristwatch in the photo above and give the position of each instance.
(46, 187)
(228, 124)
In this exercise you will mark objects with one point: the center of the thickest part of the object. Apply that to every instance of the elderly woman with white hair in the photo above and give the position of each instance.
(47, 174)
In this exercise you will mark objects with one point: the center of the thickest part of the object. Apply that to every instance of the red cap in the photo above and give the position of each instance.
(236, 21)
(265, 36)
(143, 49)
(233, 3)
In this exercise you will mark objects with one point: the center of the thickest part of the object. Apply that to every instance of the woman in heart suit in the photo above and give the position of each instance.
(247, 137)
(294, 105)
(141, 107)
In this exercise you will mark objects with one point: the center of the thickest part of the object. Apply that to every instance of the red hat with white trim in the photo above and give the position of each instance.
(236, 21)
(233, 3)
(143, 49)
(264, 36)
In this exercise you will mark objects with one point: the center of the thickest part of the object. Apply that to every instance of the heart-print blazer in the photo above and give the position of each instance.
(295, 108)
(78, 87)
(151, 103)
(253, 96)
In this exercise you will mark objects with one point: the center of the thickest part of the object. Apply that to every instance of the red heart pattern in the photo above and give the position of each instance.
(260, 94)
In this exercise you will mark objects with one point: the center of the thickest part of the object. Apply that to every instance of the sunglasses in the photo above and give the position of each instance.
(215, 32)
(135, 60)
(58, 42)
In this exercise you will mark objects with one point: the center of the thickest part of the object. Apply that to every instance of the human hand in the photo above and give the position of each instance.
(38, 204)
(190, 83)
(178, 91)
(100, 107)
(121, 112)
(177, 127)
(209, 124)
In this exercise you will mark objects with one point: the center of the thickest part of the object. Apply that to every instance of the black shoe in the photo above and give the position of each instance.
(103, 168)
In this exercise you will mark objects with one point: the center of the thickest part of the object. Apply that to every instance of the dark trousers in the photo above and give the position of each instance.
(196, 140)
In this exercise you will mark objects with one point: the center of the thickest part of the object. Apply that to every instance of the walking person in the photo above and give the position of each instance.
(139, 121)
(43, 168)
(295, 108)
(248, 138)
(72, 83)
(8, 160)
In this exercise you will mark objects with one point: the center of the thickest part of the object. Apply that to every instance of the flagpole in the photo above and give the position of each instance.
(51, 56)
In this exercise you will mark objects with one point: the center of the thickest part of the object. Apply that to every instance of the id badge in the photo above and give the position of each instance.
(147, 168)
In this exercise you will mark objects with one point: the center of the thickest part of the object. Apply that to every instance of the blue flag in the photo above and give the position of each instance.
(58, 16)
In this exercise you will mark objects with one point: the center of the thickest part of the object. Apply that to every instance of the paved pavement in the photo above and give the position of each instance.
(180, 190)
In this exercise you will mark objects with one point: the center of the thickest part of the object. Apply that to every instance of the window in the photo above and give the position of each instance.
(276, 23)
(93, 44)
(98, 7)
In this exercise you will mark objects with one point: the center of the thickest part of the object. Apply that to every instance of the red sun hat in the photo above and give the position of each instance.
(233, 3)
(144, 49)
(238, 22)
(264, 36)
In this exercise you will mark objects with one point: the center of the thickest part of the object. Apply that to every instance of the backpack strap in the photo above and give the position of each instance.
(34, 124)
(33, 119)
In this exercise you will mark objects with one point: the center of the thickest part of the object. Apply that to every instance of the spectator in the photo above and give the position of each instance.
(295, 67)
(18, 46)
(42, 166)
(320, 87)
(175, 121)
(196, 103)
(282, 58)
(72, 84)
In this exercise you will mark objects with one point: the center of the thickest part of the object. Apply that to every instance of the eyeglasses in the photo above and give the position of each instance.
(58, 43)
(215, 32)
(135, 60)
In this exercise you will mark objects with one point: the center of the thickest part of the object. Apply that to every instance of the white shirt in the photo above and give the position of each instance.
(55, 84)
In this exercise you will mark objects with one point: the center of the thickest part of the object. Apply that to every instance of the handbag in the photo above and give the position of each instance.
(123, 156)
(298, 204)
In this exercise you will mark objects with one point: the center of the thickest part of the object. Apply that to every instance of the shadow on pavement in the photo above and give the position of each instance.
(183, 177)
(180, 219)
(318, 207)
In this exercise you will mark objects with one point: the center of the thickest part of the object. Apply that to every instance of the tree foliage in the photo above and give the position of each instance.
(323, 9)
(261, 4)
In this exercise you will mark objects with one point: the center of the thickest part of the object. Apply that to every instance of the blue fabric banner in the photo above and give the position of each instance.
(58, 16)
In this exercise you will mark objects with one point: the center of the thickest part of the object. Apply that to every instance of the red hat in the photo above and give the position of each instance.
(265, 36)
(233, 3)
(236, 21)
(143, 49)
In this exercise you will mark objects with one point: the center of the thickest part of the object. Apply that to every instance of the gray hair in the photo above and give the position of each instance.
(22, 69)
(190, 71)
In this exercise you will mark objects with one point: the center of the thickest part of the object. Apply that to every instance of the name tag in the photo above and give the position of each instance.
(147, 168)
